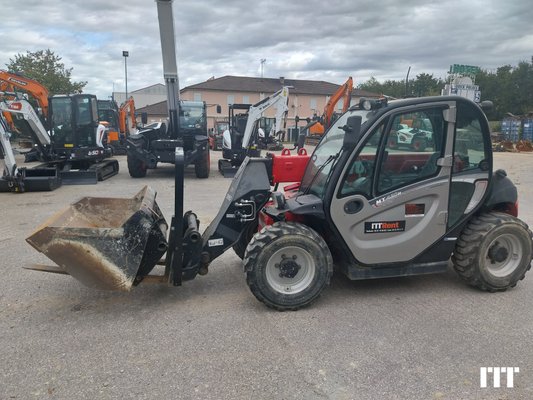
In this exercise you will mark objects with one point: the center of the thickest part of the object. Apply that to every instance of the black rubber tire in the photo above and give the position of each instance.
(474, 263)
(419, 143)
(203, 164)
(136, 167)
(240, 247)
(279, 242)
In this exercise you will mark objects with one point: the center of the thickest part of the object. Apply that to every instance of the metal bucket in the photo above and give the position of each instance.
(106, 243)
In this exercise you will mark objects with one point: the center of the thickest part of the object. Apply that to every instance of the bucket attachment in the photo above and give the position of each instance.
(31, 180)
(106, 243)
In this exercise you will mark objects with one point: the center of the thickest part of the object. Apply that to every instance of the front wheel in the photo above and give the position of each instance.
(494, 252)
(203, 163)
(136, 167)
(287, 265)
(419, 143)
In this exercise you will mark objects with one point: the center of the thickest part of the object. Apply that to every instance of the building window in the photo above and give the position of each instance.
(246, 99)
(231, 99)
(197, 96)
(312, 105)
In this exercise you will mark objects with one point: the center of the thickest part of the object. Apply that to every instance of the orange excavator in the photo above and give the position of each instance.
(119, 122)
(125, 126)
(118, 132)
(344, 93)
(10, 82)
(318, 126)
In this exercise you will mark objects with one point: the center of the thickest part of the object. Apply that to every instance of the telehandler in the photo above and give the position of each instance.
(371, 210)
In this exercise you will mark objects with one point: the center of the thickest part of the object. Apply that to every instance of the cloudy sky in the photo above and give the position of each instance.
(322, 40)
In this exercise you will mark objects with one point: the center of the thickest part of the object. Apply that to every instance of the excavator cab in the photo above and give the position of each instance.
(77, 140)
(74, 121)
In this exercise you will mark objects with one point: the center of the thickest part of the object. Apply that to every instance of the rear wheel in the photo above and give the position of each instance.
(287, 265)
(202, 166)
(494, 252)
(136, 167)
(419, 143)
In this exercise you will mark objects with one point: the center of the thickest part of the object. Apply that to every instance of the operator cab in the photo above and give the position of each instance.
(74, 123)
(409, 199)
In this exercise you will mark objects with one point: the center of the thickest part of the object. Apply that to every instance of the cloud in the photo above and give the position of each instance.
(300, 39)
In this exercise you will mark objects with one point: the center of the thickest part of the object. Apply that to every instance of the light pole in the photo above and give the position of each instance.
(125, 54)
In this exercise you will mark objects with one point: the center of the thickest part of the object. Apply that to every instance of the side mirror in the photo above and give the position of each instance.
(144, 118)
(219, 109)
(352, 132)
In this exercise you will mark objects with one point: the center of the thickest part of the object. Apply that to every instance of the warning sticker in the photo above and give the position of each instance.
(384, 227)
(215, 242)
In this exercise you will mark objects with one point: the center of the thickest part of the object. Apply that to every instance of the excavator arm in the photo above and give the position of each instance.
(345, 93)
(6, 152)
(128, 107)
(15, 179)
(279, 100)
(10, 81)
(30, 117)
(281, 113)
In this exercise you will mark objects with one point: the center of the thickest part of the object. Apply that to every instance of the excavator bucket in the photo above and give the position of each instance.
(106, 243)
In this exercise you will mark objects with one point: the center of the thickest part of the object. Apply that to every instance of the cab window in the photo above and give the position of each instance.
(360, 174)
(470, 156)
(414, 143)
(402, 150)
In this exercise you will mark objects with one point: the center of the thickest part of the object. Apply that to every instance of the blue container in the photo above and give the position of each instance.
(511, 128)
(527, 129)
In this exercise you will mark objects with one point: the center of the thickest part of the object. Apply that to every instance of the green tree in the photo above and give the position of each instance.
(372, 85)
(427, 85)
(423, 85)
(523, 87)
(46, 68)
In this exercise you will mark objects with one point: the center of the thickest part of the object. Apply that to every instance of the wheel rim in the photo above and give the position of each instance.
(504, 255)
(290, 270)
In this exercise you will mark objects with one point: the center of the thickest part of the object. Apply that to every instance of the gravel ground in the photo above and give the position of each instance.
(407, 338)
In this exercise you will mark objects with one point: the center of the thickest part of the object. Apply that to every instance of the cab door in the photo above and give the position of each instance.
(391, 201)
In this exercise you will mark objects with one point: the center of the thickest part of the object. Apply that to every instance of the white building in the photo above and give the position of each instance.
(143, 97)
